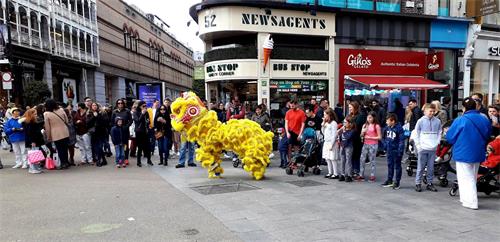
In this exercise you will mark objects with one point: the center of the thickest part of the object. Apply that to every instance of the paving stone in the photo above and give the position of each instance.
(339, 211)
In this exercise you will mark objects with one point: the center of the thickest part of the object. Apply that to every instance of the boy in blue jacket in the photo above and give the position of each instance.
(283, 148)
(118, 135)
(394, 143)
(14, 129)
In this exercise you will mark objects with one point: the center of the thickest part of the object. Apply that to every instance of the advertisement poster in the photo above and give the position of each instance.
(69, 91)
(148, 92)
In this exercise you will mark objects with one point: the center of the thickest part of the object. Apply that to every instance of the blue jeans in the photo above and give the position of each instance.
(284, 157)
(120, 154)
(164, 146)
(425, 158)
(394, 162)
(187, 147)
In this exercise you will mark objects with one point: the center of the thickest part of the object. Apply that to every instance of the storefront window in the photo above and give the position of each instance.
(389, 5)
(444, 8)
(360, 4)
(332, 3)
(303, 91)
(479, 78)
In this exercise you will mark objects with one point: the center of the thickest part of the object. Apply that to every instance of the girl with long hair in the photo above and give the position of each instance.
(358, 118)
(371, 133)
(330, 145)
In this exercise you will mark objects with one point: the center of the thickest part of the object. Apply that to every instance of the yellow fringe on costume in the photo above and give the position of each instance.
(244, 137)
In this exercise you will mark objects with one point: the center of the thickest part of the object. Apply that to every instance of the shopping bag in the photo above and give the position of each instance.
(57, 161)
(35, 156)
(49, 164)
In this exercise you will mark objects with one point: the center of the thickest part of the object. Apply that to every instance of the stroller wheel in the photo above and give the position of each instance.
(306, 169)
(453, 192)
(300, 173)
(289, 171)
(443, 182)
(236, 163)
(409, 171)
(316, 171)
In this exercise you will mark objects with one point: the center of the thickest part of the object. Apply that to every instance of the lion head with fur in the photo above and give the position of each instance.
(186, 110)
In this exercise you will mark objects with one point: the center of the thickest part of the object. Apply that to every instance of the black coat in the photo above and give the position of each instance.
(141, 122)
(99, 124)
(34, 133)
(166, 127)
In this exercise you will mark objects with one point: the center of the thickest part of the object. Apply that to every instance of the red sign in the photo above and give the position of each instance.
(435, 62)
(382, 62)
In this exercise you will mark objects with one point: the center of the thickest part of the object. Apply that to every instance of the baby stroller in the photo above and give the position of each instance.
(487, 181)
(307, 156)
(441, 167)
(412, 159)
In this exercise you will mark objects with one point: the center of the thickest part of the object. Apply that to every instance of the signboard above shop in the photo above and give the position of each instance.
(235, 18)
(487, 50)
(477, 8)
(286, 69)
(382, 62)
(231, 70)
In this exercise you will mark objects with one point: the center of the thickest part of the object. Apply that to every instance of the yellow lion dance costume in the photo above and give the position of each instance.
(244, 137)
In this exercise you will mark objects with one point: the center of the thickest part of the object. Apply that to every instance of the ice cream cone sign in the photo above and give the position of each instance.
(268, 48)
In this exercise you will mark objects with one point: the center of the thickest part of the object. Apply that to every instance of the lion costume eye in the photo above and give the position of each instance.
(193, 111)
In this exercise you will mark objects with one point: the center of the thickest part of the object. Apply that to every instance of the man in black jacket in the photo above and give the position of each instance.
(416, 113)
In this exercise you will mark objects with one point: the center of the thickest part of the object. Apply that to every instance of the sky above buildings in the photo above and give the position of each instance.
(176, 14)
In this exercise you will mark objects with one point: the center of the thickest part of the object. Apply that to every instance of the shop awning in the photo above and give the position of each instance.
(397, 82)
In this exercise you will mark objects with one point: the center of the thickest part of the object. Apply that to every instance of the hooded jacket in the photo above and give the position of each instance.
(124, 114)
(427, 133)
(14, 136)
(119, 134)
(393, 139)
(468, 134)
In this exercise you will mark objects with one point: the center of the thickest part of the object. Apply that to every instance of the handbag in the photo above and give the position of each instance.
(49, 164)
(35, 156)
(158, 134)
(57, 161)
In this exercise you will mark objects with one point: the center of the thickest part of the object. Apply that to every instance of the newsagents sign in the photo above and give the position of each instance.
(487, 50)
(231, 70)
(234, 18)
(289, 69)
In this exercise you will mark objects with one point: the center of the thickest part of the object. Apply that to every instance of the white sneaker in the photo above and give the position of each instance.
(33, 171)
(271, 155)
(178, 154)
(25, 166)
(226, 156)
(17, 166)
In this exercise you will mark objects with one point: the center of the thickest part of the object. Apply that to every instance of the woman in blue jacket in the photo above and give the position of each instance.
(14, 129)
(469, 136)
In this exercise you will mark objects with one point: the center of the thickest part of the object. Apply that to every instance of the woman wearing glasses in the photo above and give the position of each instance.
(141, 121)
(163, 133)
